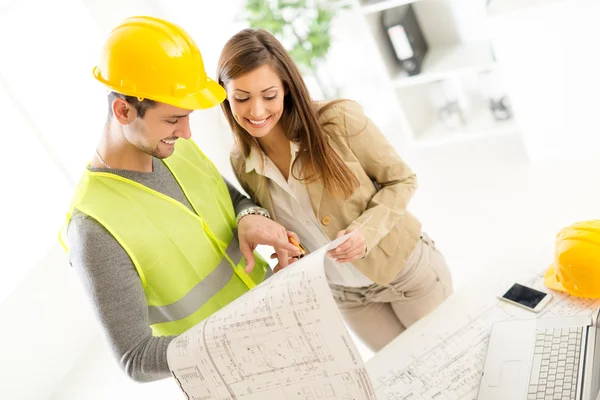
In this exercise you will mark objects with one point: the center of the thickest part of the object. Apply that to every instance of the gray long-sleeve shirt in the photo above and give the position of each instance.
(114, 287)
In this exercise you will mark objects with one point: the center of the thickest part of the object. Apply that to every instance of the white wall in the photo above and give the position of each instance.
(38, 74)
(45, 326)
(548, 53)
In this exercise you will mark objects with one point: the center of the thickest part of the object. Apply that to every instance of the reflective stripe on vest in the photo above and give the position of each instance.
(199, 294)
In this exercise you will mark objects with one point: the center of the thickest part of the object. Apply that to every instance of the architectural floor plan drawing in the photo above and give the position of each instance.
(285, 339)
(442, 358)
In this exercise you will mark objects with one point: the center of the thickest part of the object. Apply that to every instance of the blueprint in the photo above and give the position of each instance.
(284, 339)
(442, 357)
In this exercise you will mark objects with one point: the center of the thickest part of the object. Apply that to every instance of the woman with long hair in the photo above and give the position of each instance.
(323, 169)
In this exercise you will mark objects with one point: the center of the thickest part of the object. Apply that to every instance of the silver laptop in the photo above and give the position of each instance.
(547, 358)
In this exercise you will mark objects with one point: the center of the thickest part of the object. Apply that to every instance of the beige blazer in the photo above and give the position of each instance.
(392, 232)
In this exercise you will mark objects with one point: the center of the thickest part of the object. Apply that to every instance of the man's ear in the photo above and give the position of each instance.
(123, 112)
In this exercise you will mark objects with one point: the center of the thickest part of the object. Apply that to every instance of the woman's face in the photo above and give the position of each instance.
(256, 100)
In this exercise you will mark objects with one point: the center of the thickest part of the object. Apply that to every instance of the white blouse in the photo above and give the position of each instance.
(293, 209)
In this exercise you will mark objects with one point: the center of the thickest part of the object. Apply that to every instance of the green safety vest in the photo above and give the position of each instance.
(189, 262)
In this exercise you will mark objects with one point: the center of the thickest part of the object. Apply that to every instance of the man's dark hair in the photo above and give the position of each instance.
(140, 106)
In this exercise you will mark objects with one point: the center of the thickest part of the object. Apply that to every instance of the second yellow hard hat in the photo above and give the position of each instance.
(576, 267)
(151, 58)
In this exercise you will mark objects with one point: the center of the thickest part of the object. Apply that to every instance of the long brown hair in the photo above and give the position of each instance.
(250, 49)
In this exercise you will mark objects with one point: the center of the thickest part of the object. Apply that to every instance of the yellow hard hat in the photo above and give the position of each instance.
(576, 267)
(150, 58)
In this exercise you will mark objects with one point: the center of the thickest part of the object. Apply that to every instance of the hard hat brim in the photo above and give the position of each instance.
(211, 95)
(550, 280)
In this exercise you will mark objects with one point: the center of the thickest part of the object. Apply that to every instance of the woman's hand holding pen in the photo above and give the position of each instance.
(354, 248)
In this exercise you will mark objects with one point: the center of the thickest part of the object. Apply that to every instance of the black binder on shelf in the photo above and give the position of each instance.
(405, 37)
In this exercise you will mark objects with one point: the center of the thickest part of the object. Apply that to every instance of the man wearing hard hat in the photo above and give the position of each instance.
(153, 228)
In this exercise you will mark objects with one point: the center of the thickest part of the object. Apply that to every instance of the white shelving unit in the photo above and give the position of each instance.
(445, 61)
(460, 56)
(479, 126)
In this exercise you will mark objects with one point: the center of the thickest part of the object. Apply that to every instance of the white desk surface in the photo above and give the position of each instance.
(441, 357)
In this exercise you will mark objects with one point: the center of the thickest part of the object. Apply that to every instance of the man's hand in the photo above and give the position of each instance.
(292, 258)
(254, 230)
(354, 248)
(279, 266)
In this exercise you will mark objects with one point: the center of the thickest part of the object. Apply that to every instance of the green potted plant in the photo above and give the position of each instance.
(303, 27)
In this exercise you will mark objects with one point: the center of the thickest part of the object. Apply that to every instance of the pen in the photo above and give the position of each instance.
(293, 241)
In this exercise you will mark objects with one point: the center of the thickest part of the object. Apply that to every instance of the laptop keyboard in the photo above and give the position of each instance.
(555, 364)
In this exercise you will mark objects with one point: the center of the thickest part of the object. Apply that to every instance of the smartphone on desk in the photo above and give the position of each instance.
(526, 297)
